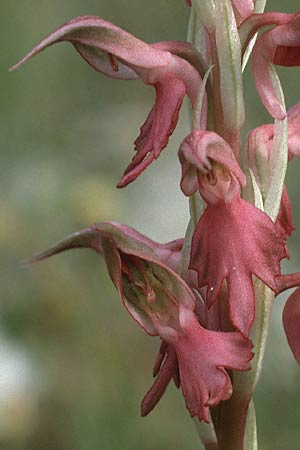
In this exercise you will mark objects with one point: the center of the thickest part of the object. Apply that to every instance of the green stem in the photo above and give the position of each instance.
(207, 434)
(250, 439)
(234, 412)
(218, 111)
(196, 205)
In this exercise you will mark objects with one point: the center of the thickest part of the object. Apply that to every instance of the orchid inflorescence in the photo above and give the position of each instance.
(209, 295)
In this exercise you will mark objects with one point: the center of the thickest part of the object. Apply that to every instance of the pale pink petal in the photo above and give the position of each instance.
(244, 7)
(260, 145)
(158, 127)
(294, 131)
(264, 135)
(246, 244)
(186, 51)
(257, 21)
(284, 221)
(263, 82)
(203, 356)
(284, 282)
(291, 323)
(198, 153)
(279, 46)
(163, 349)
(167, 370)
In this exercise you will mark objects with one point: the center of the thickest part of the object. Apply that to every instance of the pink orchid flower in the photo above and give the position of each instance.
(163, 304)
(265, 134)
(260, 145)
(242, 9)
(118, 54)
(291, 311)
(246, 244)
(279, 46)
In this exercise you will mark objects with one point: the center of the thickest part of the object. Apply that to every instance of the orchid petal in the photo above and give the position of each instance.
(291, 323)
(263, 150)
(198, 152)
(167, 371)
(158, 127)
(284, 282)
(244, 8)
(279, 46)
(284, 221)
(260, 141)
(263, 75)
(259, 145)
(249, 27)
(203, 356)
(294, 131)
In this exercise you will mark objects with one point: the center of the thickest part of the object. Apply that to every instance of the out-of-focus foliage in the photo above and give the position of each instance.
(73, 365)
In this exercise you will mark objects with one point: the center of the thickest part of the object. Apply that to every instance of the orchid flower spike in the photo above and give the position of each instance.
(118, 54)
(163, 304)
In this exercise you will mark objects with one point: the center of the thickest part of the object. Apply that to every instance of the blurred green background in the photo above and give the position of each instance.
(73, 366)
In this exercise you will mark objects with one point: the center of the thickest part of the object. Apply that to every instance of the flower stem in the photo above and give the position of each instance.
(207, 434)
(237, 414)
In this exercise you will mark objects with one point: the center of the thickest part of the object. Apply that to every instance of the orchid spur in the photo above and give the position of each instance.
(208, 296)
